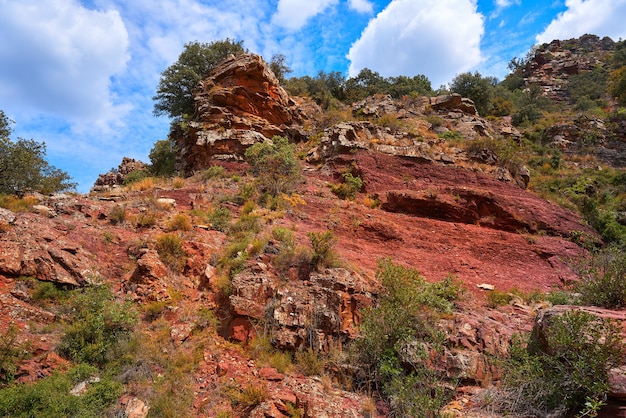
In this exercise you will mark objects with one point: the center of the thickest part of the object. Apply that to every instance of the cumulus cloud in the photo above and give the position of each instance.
(437, 38)
(598, 17)
(294, 14)
(58, 58)
(361, 6)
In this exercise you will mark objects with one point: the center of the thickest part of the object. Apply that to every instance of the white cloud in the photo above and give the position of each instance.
(361, 6)
(58, 58)
(506, 3)
(598, 17)
(437, 38)
(294, 14)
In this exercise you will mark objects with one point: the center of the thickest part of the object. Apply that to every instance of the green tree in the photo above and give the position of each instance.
(279, 68)
(404, 86)
(365, 84)
(163, 158)
(275, 164)
(475, 87)
(174, 96)
(23, 166)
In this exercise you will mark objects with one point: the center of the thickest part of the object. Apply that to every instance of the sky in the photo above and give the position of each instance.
(80, 75)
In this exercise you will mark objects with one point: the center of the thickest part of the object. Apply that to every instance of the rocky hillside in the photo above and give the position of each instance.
(240, 310)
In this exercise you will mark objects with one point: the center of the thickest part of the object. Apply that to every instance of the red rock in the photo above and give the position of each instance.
(270, 373)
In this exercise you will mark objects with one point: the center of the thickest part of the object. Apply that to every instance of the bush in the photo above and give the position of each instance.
(97, 325)
(349, 188)
(214, 171)
(556, 374)
(51, 397)
(163, 158)
(117, 214)
(603, 283)
(398, 336)
(171, 251)
(275, 164)
(323, 244)
(11, 352)
(219, 219)
(179, 222)
(135, 176)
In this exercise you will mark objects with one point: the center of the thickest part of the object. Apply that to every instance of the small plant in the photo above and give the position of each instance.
(171, 251)
(310, 362)
(219, 219)
(179, 222)
(215, 171)
(11, 353)
(109, 237)
(135, 177)
(404, 321)
(323, 244)
(45, 292)
(349, 188)
(146, 219)
(51, 397)
(178, 182)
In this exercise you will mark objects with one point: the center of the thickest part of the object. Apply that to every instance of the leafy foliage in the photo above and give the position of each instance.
(97, 325)
(603, 281)
(163, 158)
(558, 373)
(11, 352)
(398, 336)
(51, 397)
(23, 166)
(174, 96)
(275, 164)
(475, 87)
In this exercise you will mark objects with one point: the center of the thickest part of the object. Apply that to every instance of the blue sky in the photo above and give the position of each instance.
(80, 75)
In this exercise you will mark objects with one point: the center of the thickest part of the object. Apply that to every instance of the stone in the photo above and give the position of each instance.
(239, 104)
(136, 408)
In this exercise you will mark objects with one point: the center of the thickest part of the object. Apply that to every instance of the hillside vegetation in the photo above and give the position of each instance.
(337, 247)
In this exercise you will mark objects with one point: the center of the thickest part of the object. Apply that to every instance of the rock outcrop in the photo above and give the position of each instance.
(239, 104)
(116, 177)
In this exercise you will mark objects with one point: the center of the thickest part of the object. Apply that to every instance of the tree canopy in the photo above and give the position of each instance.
(23, 166)
(174, 96)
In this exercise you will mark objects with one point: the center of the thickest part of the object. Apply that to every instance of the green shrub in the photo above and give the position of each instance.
(50, 397)
(398, 336)
(48, 292)
(323, 244)
(11, 352)
(349, 188)
(219, 218)
(163, 158)
(603, 279)
(135, 176)
(214, 171)
(556, 374)
(275, 164)
(96, 325)
(171, 251)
